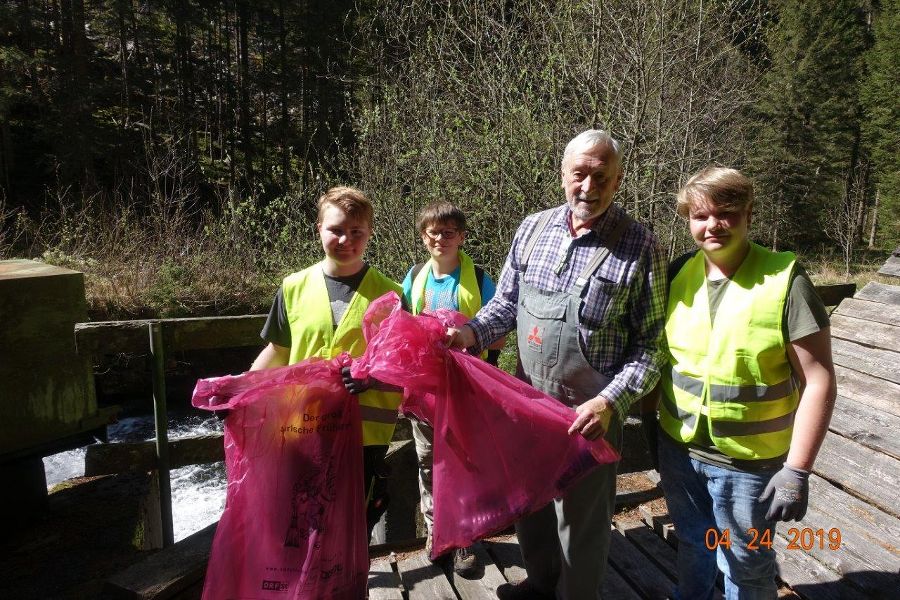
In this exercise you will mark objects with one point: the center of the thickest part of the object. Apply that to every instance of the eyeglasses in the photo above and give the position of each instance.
(447, 234)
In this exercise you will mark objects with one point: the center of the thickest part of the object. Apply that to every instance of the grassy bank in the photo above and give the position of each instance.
(172, 261)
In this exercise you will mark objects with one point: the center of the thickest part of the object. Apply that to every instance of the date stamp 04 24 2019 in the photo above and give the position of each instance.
(799, 538)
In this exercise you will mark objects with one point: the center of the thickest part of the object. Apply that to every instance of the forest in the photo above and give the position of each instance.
(173, 150)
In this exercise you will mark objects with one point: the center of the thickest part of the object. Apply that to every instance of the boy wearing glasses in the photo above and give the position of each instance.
(448, 280)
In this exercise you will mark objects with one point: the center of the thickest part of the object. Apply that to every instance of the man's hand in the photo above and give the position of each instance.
(464, 337)
(592, 418)
(789, 490)
(354, 386)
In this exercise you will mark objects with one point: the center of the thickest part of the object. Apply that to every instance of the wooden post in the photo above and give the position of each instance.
(162, 433)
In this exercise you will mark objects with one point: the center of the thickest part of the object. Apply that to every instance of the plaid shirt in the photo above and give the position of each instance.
(622, 316)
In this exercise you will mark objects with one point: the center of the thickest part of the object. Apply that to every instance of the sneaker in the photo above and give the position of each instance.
(429, 545)
(522, 591)
(464, 561)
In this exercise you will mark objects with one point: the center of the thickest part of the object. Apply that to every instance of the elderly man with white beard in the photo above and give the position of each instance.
(584, 288)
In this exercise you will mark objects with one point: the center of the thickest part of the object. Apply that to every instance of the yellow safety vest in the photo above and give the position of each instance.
(469, 295)
(468, 291)
(736, 370)
(313, 334)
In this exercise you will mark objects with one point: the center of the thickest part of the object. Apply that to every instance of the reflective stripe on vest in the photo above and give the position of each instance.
(733, 393)
(735, 371)
(314, 334)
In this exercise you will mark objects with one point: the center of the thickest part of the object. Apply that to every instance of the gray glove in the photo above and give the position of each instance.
(789, 491)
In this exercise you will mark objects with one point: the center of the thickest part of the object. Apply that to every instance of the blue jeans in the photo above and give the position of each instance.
(701, 497)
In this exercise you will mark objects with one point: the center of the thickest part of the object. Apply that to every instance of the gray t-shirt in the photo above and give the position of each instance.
(804, 314)
(277, 329)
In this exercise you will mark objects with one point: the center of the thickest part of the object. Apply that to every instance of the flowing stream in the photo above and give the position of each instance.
(198, 491)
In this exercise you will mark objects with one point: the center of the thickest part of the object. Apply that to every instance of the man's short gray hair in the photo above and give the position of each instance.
(589, 139)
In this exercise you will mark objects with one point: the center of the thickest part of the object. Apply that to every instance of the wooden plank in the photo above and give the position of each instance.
(810, 578)
(103, 459)
(883, 364)
(876, 393)
(866, 531)
(507, 557)
(880, 292)
(167, 572)
(833, 294)
(879, 527)
(113, 337)
(634, 567)
(870, 333)
(867, 310)
(422, 579)
(645, 539)
(871, 428)
(891, 268)
(483, 584)
(660, 523)
(615, 586)
(866, 474)
(384, 584)
(851, 560)
(799, 570)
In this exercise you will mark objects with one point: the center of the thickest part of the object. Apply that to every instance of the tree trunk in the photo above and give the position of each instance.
(123, 60)
(874, 220)
(284, 126)
(6, 160)
(244, 84)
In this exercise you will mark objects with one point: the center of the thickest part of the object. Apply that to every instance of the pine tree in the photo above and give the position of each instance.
(809, 117)
(881, 122)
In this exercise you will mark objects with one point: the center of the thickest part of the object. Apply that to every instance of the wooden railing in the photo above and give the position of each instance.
(158, 336)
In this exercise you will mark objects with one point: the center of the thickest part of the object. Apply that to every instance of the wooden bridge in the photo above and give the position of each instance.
(846, 547)
(853, 490)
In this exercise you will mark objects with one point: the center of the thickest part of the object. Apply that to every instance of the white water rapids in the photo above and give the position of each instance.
(198, 491)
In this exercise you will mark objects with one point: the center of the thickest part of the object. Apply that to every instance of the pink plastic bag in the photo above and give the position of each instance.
(294, 523)
(502, 449)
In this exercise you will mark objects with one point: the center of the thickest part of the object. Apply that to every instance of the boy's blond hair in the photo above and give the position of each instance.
(722, 187)
(353, 202)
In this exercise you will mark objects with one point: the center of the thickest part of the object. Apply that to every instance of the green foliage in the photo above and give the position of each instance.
(881, 124)
(474, 103)
(808, 117)
(180, 146)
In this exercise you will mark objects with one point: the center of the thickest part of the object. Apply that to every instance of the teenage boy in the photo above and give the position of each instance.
(318, 312)
(747, 392)
(448, 280)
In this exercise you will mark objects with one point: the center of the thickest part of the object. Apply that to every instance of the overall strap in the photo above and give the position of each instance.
(603, 251)
(533, 238)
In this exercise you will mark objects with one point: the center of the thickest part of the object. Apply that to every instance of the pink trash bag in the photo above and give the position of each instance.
(502, 449)
(294, 524)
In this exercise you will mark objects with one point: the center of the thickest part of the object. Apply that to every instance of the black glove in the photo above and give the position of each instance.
(789, 490)
(354, 386)
(493, 357)
(650, 428)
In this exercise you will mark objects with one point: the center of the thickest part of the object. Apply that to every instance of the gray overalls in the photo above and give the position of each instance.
(565, 544)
